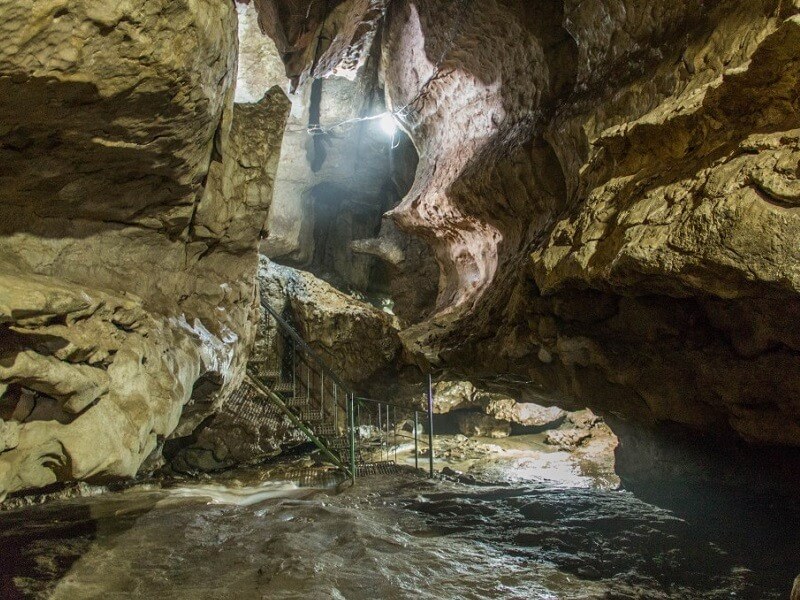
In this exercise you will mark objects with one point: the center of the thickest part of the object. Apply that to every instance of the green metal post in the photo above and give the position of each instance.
(352, 411)
(430, 423)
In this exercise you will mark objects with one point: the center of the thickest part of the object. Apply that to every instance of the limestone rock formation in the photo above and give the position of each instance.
(129, 222)
(340, 171)
(237, 193)
(567, 439)
(260, 66)
(479, 413)
(92, 383)
(610, 190)
(640, 197)
(523, 413)
(335, 36)
(473, 424)
(354, 338)
(412, 270)
(450, 395)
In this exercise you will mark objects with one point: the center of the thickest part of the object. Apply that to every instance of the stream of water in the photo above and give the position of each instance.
(389, 538)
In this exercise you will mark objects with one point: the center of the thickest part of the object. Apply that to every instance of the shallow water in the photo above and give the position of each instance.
(390, 538)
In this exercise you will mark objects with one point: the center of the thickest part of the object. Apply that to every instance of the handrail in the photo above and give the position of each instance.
(299, 340)
(307, 407)
(392, 404)
(298, 423)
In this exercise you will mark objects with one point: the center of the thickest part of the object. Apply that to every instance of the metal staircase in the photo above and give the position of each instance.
(358, 435)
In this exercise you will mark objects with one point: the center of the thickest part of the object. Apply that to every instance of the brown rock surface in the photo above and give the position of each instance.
(610, 189)
(649, 174)
(130, 212)
(567, 439)
(473, 424)
(354, 338)
(523, 413)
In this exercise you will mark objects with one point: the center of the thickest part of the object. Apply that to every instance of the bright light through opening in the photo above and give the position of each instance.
(388, 124)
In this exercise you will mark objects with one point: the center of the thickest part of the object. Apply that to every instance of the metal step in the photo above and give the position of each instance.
(297, 402)
(326, 430)
(338, 443)
(260, 361)
(283, 386)
(309, 415)
(369, 443)
(342, 441)
(384, 467)
(273, 369)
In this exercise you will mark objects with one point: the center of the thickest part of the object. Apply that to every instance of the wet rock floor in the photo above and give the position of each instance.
(398, 537)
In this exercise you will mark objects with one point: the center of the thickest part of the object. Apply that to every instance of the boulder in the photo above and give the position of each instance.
(583, 419)
(473, 424)
(354, 338)
(524, 414)
(567, 439)
(449, 396)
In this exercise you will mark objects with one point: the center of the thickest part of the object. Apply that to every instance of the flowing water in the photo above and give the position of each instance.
(387, 538)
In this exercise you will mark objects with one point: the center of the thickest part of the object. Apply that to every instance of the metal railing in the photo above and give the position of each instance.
(384, 429)
(357, 434)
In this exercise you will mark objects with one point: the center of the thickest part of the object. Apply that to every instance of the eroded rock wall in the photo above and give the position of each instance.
(91, 383)
(610, 190)
(130, 215)
(340, 169)
(662, 258)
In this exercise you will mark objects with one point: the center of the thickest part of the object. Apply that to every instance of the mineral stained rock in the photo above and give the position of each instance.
(130, 213)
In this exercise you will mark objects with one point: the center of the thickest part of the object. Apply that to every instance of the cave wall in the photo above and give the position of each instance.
(652, 194)
(131, 205)
(610, 190)
(334, 181)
